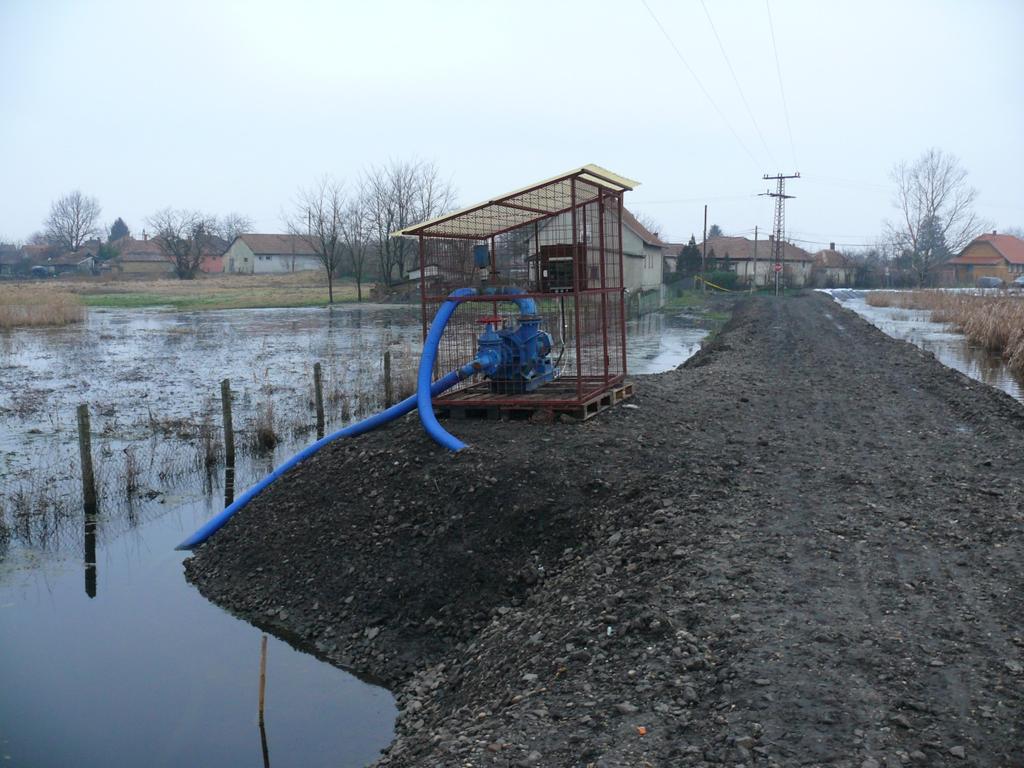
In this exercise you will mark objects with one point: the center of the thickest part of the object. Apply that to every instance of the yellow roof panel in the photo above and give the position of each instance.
(522, 206)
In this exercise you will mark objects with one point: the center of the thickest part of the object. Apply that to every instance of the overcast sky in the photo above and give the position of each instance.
(232, 106)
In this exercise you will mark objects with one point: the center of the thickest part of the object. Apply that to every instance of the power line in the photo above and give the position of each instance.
(704, 199)
(832, 242)
(778, 71)
(838, 182)
(693, 74)
(739, 88)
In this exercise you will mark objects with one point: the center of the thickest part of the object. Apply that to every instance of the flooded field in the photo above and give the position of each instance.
(949, 347)
(109, 657)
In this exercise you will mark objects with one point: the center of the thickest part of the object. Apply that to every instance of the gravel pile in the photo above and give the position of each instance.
(802, 548)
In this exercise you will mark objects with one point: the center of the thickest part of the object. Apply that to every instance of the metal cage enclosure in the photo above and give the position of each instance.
(558, 242)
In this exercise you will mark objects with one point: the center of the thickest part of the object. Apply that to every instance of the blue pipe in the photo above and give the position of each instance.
(392, 413)
(527, 306)
(424, 396)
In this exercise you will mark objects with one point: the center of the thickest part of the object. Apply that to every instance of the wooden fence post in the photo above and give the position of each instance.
(318, 387)
(85, 451)
(389, 391)
(229, 431)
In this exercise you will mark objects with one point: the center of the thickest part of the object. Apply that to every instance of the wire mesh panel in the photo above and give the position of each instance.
(559, 244)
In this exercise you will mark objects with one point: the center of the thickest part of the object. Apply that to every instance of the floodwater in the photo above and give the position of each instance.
(949, 347)
(108, 656)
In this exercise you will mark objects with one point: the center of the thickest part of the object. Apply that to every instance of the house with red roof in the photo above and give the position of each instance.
(992, 255)
(833, 269)
(752, 260)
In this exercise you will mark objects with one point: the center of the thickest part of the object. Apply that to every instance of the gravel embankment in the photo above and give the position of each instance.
(804, 547)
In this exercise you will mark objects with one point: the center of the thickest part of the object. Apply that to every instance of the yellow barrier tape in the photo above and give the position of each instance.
(708, 282)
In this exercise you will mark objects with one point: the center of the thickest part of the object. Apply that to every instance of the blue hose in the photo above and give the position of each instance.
(486, 362)
(527, 306)
(424, 395)
(392, 413)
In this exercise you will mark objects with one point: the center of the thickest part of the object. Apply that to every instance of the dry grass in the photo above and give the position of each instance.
(264, 434)
(31, 304)
(300, 289)
(994, 322)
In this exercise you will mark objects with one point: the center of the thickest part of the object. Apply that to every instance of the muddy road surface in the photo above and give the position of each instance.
(804, 547)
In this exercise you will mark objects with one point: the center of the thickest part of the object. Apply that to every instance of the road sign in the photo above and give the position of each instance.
(778, 267)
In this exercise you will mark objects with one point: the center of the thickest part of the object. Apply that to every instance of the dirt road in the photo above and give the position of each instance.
(802, 548)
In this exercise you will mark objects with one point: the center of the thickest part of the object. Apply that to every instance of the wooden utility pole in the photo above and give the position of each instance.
(704, 255)
(753, 282)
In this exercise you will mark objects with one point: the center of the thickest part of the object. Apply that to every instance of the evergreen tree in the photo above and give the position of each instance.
(118, 230)
(688, 260)
(931, 249)
(715, 231)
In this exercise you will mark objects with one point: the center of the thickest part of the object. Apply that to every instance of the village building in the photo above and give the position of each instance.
(140, 258)
(269, 255)
(994, 255)
(14, 262)
(643, 263)
(752, 261)
(643, 259)
(831, 269)
(82, 261)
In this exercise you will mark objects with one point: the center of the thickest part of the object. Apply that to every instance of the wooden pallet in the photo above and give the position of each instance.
(477, 403)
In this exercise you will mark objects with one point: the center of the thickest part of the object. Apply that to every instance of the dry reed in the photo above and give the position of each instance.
(264, 435)
(994, 322)
(23, 305)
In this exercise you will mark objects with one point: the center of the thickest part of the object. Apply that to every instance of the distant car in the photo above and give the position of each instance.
(1019, 282)
(989, 282)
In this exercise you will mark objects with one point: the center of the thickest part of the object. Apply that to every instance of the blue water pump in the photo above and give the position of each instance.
(523, 354)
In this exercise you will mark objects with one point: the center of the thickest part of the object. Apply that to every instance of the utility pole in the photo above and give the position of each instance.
(778, 254)
(753, 280)
(704, 255)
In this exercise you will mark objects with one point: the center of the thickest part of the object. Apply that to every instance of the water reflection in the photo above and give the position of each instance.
(152, 381)
(229, 485)
(90, 554)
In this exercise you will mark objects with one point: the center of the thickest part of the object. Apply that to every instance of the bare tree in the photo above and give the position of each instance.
(183, 236)
(649, 223)
(400, 194)
(357, 234)
(232, 225)
(73, 219)
(936, 210)
(318, 216)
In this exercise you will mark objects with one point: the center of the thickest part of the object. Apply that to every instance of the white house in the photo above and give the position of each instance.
(643, 264)
(833, 270)
(270, 255)
(752, 261)
(642, 258)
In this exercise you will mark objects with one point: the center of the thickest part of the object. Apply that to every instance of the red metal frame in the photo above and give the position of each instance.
(585, 317)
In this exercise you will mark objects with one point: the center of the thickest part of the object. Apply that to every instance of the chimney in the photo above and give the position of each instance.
(993, 231)
(831, 246)
(144, 235)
